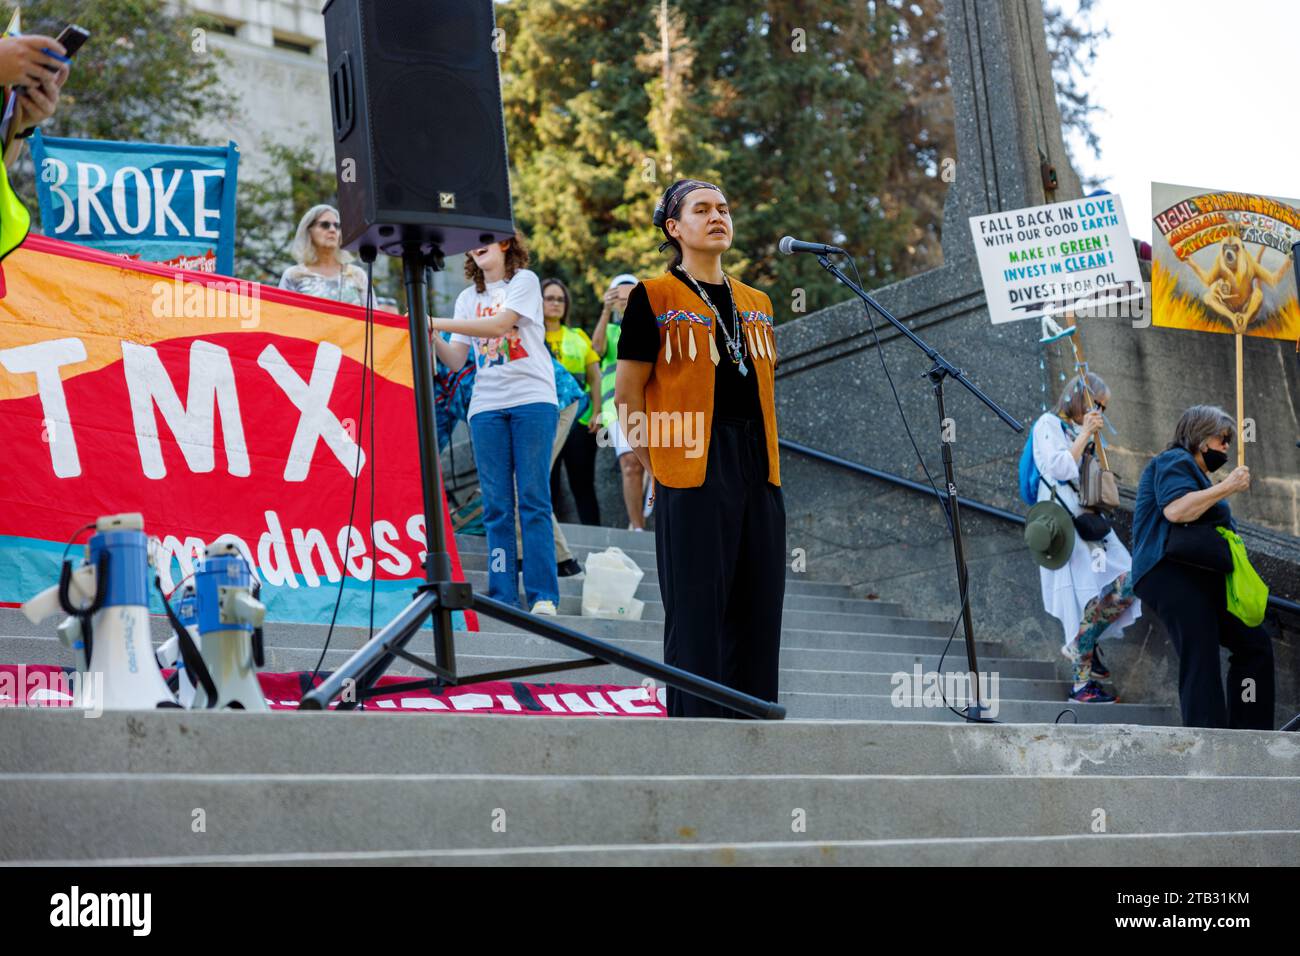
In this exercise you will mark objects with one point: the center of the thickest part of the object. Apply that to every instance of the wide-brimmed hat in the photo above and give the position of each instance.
(1049, 534)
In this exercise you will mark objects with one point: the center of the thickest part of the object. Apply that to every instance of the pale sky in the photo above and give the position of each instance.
(1196, 93)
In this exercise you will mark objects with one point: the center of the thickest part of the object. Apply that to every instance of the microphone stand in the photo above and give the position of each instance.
(942, 369)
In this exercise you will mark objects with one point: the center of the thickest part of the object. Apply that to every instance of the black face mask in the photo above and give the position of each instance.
(1214, 459)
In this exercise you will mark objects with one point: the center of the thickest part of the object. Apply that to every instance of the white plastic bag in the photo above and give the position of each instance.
(609, 585)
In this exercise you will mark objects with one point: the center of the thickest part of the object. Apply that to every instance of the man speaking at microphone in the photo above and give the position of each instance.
(695, 371)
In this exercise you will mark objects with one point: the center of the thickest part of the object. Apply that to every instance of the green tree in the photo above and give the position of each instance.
(575, 108)
(804, 105)
(268, 208)
(920, 170)
(847, 106)
(680, 129)
(608, 102)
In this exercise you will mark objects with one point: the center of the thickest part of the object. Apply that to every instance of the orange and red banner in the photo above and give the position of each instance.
(217, 408)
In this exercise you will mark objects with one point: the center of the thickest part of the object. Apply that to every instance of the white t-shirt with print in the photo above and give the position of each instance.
(514, 369)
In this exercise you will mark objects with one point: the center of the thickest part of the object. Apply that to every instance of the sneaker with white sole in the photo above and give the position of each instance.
(1092, 693)
(544, 609)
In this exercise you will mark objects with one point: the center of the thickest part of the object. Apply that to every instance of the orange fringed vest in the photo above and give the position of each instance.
(683, 378)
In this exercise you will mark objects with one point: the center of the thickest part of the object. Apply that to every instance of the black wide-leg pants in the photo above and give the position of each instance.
(578, 458)
(721, 558)
(1193, 606)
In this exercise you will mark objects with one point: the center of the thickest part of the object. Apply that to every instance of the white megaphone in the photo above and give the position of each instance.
(81, 593)
(230, 630)
(170, 654)
(107, 599)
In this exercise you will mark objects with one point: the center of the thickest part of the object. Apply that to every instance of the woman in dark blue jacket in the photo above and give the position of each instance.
(1190, 599)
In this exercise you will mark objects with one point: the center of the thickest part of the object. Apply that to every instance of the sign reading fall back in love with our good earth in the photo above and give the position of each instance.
(1046, 260)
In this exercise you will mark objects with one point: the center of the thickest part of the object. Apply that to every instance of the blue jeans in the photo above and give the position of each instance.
(512, 446)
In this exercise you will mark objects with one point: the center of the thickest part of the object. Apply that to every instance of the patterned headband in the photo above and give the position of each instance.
(670, 204)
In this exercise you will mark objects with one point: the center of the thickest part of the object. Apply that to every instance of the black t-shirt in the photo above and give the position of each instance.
(734, 395)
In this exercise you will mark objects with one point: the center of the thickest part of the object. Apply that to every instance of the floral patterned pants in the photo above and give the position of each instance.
(1100, 613)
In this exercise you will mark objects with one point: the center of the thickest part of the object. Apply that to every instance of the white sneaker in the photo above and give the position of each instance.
(544, 609)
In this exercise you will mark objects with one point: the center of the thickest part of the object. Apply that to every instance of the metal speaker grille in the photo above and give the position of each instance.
(455, 33)
(432, 132)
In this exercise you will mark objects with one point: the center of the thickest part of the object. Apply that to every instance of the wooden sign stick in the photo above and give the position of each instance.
(1241, 445)
(1079, 367)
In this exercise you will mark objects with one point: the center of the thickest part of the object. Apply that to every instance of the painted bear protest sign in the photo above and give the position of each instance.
(1222, 261)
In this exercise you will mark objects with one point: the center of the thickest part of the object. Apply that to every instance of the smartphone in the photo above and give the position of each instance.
(72, 37)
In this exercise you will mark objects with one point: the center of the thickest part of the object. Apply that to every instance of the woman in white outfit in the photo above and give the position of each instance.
(1092, 595)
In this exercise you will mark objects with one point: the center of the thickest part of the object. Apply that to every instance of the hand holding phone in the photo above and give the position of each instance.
(36, 100)
(22, 58)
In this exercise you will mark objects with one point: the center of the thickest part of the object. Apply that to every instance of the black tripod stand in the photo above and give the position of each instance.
(438, 596)
(941, 370)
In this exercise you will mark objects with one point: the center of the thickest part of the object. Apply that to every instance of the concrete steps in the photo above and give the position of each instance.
(808, 693)
(40, 740)
(527, 651)
(634, 791)
(850, 779)
(1262, 848)
(884, 634)
(48, 650)
(840, 658)
(571, 587)
(821, 706)
(795, 582)
(295, 812)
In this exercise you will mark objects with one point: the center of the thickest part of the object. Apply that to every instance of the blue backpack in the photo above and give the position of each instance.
(1029, 474)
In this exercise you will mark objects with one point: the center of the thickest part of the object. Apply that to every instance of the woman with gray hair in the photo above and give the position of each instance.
(323, 269)
(1090, 594)
(1178, 569)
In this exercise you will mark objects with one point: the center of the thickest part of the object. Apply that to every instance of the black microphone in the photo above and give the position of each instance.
(789, 245)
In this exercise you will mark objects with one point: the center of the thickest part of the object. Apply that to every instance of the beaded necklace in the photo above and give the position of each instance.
(735, 343)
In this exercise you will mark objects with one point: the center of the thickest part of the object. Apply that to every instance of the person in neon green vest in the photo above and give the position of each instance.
(605, 341)
(572, 349)
(22, 61)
